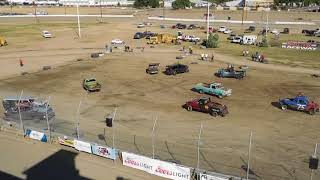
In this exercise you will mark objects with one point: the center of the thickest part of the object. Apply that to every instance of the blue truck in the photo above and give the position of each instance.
(300, 103)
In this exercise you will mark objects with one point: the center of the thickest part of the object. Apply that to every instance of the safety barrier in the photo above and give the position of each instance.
(152, 166)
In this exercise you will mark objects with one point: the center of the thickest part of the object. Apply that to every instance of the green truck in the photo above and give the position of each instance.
(213, 89)
(91, 85)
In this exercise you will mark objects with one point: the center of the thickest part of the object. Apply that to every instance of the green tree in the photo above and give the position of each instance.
(264, 42)
(146, 3)
(181, 4)
(154, 3)
(212, 41)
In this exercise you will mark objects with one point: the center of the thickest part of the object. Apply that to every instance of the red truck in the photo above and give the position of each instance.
(205, 105)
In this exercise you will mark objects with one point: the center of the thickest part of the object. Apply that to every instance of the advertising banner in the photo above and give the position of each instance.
(82, 146)
(156, 167)
(171, 170)
(300, 45)
(66, 142)
(211, 177)
(137, 162)
(36, 135)
(103, 151)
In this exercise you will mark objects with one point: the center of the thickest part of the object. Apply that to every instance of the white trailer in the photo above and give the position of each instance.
(249, 39)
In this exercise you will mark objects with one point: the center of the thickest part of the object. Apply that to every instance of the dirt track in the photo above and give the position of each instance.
(37, 158)
(282, 141)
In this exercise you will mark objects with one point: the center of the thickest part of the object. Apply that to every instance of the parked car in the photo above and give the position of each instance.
(300, 103)
(275, 32)
(41, 13)
(176, 69)
(117, 41)
(153, 68)
(250, 29)
(181, 26)
(149, 34)
(192, 26)
(222, 29)
(138, 35)
(231, 36)
(311, 32)
(213, 89)
(46, 34)
(230, 72)
(141, 25)
(285, 31)
(191, 38)
(227, 31)
(205, 105)
(237, 39)
(91, 85)
(29, 107)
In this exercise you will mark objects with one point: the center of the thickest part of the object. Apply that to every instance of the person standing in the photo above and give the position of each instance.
(21, 62)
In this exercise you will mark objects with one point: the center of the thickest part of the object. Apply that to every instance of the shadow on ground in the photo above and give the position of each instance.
(60, 165)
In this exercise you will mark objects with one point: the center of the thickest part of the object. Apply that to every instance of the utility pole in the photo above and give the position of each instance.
(78, 120)
(100, 12)
(20, 117)
(163, 11)
(114, 115)
(79, 31)
(198, 159)
(243, 10)
(65, 8)
(249, 153)
(47, 105)
(11, 8)
(314, 156)
(267, 25)
(154, 126)
(208, 19)
(35, 11)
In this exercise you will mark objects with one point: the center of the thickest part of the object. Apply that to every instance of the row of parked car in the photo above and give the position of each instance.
(145, 34)
(184, 26)
(315, 32)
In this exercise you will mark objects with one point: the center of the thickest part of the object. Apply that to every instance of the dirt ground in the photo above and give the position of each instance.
(37, 158)
(282, 141)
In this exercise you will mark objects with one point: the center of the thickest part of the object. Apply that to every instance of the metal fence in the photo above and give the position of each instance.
(192, 151)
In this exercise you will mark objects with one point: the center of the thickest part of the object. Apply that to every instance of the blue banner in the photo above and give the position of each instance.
(36, 135)
(103, 151)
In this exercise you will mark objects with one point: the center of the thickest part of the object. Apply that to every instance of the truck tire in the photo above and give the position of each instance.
(189, 108)
(284, 107)
(174, 73)
(213, 113)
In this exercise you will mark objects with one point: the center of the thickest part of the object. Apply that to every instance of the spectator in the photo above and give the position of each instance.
(21, 62)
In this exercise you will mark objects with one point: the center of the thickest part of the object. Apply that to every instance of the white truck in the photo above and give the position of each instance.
(46, 34)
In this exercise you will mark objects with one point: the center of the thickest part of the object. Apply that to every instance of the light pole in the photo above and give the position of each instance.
(208, 19)
(47, 105)
(78, 120)
(100, 12)
(249, 153)
(114, 115)
(314, 156)
(79, 31)
(20, 117)
(198, 159)
(153, 128)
